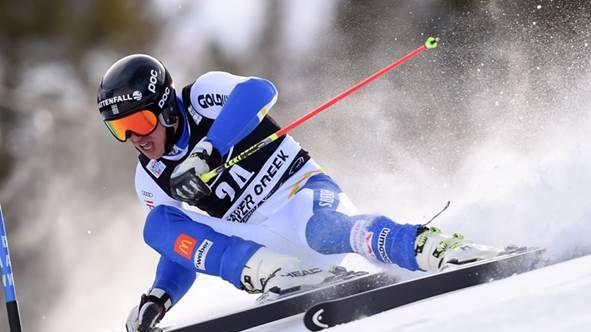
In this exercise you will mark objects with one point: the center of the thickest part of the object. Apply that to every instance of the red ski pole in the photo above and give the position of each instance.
(206, 177)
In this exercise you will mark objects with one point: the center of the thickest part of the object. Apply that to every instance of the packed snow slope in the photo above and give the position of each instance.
(553, 298)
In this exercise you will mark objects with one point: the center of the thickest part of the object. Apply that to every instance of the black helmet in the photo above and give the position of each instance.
(137, 82)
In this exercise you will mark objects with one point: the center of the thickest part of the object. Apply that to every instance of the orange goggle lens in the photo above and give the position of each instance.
(141, 123)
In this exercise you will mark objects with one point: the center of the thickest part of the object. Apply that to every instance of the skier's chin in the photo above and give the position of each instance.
(151, 151)
(152, 154)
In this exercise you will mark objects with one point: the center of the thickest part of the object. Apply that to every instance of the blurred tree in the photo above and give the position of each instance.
(264, 57)
(33, 34)
(68, 29)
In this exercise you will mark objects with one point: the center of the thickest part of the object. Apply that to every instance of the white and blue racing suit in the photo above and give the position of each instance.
(278, 197)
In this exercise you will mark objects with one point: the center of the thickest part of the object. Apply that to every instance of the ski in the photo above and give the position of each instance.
(346, 309)
(288, 305)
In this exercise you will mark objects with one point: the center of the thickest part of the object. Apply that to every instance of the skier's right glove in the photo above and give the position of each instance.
(152, 307)
(185, 183)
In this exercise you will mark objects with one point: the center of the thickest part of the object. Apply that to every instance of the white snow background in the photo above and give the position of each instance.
(509, 189)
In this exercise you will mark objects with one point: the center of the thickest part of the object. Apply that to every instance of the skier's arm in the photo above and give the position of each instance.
(245, 108)
(172, 282)
(171, 277)
(238, 106)
(174, 279)
(235, 115)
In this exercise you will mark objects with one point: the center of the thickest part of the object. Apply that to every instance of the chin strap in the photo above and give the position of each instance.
(169, 116)
(171, 138)
(172, 135)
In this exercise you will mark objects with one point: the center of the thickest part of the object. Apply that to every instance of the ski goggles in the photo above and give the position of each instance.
(141, 123)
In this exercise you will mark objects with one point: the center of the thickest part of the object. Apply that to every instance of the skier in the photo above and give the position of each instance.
(263, 225)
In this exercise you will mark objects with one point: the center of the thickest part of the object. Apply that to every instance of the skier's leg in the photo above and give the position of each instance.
(332, 229)
(318, 219)
(379, 238)
(246, 264)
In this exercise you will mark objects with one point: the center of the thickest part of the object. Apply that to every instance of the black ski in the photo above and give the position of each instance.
(288, 305)
(352, 307)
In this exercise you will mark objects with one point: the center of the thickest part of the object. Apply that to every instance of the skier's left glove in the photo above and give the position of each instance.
(185, 183)
(152, 307)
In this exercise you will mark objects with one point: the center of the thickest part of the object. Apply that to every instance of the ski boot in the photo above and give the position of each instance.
(437, 252)
(276, 275)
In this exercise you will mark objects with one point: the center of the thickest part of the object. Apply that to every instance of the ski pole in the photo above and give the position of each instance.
(206, 177)
(8, 280)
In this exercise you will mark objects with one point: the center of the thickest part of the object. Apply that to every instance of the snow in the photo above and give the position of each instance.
(551, 299)
(554, 298)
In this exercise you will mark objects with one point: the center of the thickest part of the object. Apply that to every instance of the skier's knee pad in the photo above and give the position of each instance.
(328, 232)
(376, 237)
(197, 246)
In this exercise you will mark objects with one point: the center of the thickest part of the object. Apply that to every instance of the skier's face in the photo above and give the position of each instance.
(152, 145)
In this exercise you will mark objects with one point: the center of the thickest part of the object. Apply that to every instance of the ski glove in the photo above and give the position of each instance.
(153, 306)
(185, 183)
